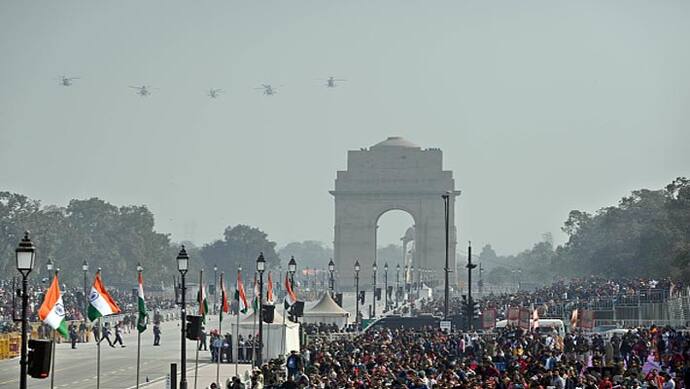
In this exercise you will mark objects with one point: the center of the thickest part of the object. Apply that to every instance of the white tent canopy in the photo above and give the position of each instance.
(273, 333)
(326, 311)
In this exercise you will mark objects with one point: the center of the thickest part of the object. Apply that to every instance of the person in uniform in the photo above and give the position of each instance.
(156, 334)
(73, 335)
(106, 334)
(202, 339)
(118, 335)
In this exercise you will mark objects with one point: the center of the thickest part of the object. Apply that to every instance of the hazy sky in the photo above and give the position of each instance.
(540, 107)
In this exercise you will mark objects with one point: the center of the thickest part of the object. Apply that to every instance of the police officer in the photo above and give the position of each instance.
(73, 336)
(156, 334)
(202, 339)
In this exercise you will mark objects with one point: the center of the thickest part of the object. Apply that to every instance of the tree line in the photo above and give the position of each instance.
(116, 239)
(647, 234)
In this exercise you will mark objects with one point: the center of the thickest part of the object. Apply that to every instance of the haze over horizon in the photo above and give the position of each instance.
(540, 107)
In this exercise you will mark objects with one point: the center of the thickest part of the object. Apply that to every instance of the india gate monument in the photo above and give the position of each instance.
(394, 174)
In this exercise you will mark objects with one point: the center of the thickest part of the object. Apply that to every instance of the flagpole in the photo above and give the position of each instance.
(237, 339)
(220, 325)
(254, 340)
(237, 330)
(282, 342)
(220, 331)
(196, 363)
(52, 346)
(268, 341)
(98, 358)
(138, 354)
(52, 362)
(140, 325)
(201, 302)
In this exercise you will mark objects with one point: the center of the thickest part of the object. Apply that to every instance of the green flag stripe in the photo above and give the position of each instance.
(62, 330)
(143, 315)
(93, 313)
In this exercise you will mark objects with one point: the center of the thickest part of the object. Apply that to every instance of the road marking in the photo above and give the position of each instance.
(161, 378)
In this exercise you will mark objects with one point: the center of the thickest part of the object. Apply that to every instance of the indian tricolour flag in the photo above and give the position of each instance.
(52, 311)
(203, 303)
(143, 314)
(255, 301)
(241, 295)
(290, 296)
(100, 302)
(270, 300)
(224, 306)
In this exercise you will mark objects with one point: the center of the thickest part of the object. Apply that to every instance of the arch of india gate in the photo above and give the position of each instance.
(394, 174)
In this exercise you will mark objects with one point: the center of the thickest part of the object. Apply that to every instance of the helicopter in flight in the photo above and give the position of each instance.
(143, 90)
(67, 81)
(214, 93)
(268, 89)
(330, 82)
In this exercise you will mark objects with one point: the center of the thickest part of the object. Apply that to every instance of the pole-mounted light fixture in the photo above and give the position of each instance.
(260, 263)
(25, 255)
(182, 261)
(292, 265)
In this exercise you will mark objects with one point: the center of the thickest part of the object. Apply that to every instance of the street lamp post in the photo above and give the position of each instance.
(374, 295)
(260, 268)
(385, 284)
(331, 269)
(85, 269)
(469, 267)
(406, 279)
(446, 270)
(183, 267)
(215, 289)
(413, 281)
(397, 285)
(419, 280)
(357, 292)
(25, 256)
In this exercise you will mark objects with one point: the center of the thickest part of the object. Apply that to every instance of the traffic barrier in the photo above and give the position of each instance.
(14, 345)
(4, 347)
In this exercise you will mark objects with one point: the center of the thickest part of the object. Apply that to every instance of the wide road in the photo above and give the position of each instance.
(77, 368)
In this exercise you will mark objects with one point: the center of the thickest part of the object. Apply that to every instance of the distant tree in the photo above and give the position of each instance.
(113, 238)
(309, 254)
(17, 214)
(241, 245)
(499, 275)
(392, 254)
(487, 256)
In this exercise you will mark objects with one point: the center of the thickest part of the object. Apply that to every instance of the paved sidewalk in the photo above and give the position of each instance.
(206, 375)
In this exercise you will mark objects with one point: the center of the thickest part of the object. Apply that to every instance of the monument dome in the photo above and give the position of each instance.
(395, 141)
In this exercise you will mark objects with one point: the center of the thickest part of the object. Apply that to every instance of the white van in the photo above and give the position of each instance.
(546, 326)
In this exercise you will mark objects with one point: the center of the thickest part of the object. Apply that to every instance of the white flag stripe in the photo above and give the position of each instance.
(56, 315)
(100, 303)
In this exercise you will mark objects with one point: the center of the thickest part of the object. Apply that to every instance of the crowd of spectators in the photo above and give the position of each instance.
(505, 358)
(573, 293)
(511, 358)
